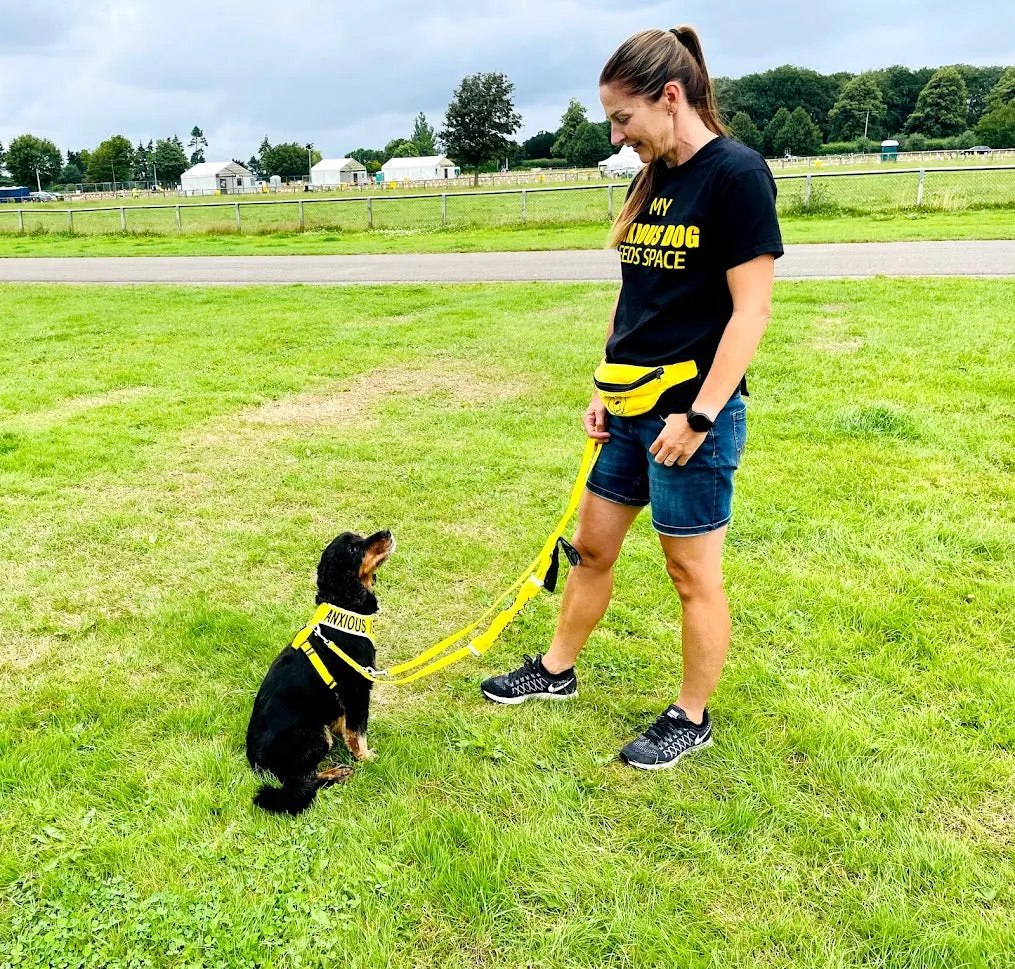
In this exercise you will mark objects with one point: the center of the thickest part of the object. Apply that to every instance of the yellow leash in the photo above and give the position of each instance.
(542, 572)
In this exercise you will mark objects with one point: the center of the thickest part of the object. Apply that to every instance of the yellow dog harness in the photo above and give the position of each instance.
(627, 390)
(541, 573)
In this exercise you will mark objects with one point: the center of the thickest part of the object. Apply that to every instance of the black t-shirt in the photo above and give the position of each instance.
(713, 212)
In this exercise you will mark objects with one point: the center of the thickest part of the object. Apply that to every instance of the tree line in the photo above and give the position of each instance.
(787, 109)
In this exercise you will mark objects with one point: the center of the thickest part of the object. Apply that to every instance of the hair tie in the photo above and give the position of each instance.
(675, 32)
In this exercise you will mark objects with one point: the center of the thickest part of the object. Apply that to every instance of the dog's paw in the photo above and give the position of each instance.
(336, 775)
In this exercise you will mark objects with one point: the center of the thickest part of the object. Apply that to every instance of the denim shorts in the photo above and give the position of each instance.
(689, 500)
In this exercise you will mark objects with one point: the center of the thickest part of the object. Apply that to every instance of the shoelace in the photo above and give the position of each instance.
(527, 669)
(664, 727)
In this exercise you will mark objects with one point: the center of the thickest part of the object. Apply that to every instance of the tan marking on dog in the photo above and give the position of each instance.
(357, 744)
(373, 558)
(335, 774)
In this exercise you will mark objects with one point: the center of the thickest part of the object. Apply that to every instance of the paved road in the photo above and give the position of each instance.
(845, 260)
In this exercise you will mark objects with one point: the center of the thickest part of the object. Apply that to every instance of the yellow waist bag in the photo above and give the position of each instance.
(627, 390)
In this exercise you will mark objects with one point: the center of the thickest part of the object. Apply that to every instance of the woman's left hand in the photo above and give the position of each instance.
(676, 442)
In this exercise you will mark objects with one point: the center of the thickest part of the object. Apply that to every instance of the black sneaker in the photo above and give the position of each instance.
(530, 682)
(667, 740)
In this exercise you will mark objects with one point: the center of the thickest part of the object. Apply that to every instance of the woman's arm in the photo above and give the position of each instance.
(594, 419)
(751, 288)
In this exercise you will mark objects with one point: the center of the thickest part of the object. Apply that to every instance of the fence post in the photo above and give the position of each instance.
(444, 209)
(807, 190)
(370, 212)
(179, 224)
(919, 188)
(524, 213)
(123, 218)
(70, 220)
(609, 202)
(302, 220)
(21, 220)
(237, 216)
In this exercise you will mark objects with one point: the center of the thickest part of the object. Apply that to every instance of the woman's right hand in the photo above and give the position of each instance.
(595, 419)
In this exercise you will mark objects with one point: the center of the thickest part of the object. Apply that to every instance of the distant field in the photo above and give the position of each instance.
(887, 227)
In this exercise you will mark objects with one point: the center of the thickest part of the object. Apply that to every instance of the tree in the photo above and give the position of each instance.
(746, 132)
(761, 95)
(79, 159)
(588, 146)
(27, 154)
(980, 81)
(800, 135)
(112, 161)
(423, 136)
(3, 159)
(366, 155)
(941, 107)
(70, 174)
(142, 162)
(857, 111)
(1003, 92)
(997, 127)
(288, 161)
(479, 120)
(773, 131)
(573, 118)
(169, 161)
(398, 148)
(900, 87)
(198, 143)
(539, 145)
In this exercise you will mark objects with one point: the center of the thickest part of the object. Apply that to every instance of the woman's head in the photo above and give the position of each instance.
(651, 77)
(654, 83)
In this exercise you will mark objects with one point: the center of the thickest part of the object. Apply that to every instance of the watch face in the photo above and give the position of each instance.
(699, 422)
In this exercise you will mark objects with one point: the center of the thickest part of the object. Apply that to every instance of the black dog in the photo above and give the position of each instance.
(295, 712)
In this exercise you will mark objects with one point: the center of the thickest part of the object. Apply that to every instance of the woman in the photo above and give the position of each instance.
(698, 237)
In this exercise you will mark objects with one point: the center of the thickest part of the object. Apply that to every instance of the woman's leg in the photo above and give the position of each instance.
(602, 527)
(694, 564)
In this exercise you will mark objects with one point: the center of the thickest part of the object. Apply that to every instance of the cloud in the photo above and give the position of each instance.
(307, 70)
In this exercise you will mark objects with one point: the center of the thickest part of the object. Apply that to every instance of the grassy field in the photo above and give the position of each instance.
(896, 227)
(173, 460)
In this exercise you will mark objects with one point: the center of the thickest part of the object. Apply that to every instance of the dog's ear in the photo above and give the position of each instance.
(376, 551)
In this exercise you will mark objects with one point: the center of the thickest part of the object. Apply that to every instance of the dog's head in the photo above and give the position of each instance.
(345, 574)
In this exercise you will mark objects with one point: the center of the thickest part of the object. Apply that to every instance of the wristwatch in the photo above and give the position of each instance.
(698, 421)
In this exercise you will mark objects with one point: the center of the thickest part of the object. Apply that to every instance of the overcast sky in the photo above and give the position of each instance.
(307, 70)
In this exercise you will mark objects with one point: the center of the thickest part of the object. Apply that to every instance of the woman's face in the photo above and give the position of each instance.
(647, 126)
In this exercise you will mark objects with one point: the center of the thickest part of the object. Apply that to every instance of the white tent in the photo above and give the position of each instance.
(625, 162)
(211, 177)
(335, 171)
(417, 169)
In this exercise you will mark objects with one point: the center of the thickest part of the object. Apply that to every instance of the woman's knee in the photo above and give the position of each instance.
(596, 555)
(694, 578)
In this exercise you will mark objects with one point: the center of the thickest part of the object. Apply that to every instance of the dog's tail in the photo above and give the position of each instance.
(294, 796)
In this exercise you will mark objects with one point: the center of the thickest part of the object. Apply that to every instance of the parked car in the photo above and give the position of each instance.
(45, 196)
(977, 150)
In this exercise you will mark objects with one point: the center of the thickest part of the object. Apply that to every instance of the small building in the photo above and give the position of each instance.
(418, 169)
(226, 177)
(338, 171)
(890, 150)
(625, 163)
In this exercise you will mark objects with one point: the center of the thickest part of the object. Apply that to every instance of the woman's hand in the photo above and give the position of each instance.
(676, 442)
(594, 420)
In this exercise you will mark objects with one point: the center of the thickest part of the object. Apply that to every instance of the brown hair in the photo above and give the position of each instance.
(642, 66)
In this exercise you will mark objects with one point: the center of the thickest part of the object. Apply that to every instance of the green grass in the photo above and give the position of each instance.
(898, 227)
(173, 460)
